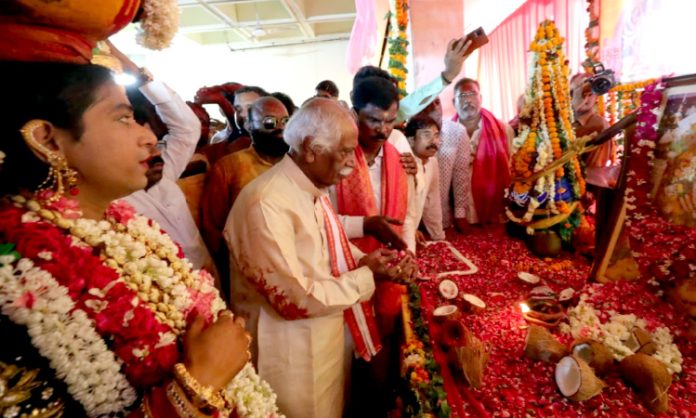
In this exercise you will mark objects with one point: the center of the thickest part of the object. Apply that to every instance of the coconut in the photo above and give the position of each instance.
(454, 333)
(473, 303)
(596, 354)
(472, 358)
(540, 344)
(528, 277)
(444, 311)
(640, 341)
(651, 379)
(576, 379)
(448, 289)
(542, 293)
(567, 296)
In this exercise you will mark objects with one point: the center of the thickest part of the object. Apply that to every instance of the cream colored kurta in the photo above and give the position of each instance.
(281, 283)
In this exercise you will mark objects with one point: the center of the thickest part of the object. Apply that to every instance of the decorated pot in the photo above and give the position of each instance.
(544, 243)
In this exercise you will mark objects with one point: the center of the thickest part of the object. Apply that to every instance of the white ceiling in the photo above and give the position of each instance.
(243, 24)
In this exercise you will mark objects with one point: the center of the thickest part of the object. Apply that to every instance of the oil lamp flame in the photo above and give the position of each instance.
(524, 307)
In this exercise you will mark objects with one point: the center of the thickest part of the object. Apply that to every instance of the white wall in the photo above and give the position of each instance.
(294, 70)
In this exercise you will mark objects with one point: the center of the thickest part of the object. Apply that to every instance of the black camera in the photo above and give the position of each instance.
(602, 81)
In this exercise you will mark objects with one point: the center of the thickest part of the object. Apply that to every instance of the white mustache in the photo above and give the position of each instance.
(346, 171)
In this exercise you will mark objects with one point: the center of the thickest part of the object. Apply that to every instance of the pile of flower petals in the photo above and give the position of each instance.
(515, 386)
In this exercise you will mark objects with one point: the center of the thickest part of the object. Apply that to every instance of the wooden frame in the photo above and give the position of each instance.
(606, 243)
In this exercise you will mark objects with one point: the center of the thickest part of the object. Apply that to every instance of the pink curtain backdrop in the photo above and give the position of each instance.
(503, 67)
(363, 38)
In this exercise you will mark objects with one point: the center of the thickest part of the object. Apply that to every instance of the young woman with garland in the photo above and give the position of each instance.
(100, 314)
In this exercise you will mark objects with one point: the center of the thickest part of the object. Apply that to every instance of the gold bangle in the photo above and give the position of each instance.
(203, 397)
(145, 407)
(180, 403)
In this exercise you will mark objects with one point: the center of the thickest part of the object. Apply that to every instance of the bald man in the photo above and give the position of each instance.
(228, 176)
(295, 277)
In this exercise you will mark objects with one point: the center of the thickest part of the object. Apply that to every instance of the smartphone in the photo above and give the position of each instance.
(478, 39)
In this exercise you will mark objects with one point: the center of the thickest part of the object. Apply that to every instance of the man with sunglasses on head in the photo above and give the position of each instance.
(265, 123)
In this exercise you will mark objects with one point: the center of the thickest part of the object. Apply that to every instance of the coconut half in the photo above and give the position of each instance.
(596, 354)
(528, 277)
(542, 292)
(448, 289)
(474, 303)
(540, 344)
(566, 294)
(576, 380)
(444, 311)
(640, 341)
(650, 378)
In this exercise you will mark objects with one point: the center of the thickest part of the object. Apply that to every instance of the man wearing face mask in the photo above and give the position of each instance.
(235, 136)
(266, 121)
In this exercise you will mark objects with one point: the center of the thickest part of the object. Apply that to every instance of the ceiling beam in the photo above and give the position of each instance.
(298, 14)
(337, 17)
(226, 20)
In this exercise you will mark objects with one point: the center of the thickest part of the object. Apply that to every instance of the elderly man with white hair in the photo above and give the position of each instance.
(302, 287)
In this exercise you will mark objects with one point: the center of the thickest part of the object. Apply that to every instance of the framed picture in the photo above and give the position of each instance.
(674, 169)
(671, 181)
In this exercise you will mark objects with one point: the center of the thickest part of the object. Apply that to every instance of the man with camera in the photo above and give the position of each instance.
(588, 121)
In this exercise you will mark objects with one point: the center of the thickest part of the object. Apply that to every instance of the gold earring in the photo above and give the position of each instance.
(60, 176)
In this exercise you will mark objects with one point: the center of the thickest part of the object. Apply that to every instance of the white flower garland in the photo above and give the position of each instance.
(66, 337)
(584, 322)
(159, 23)
(157, 282)
(251, 396)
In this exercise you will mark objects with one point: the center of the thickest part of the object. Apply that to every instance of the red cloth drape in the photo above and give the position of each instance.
(502, 66)
(491, 174)
(356, 197)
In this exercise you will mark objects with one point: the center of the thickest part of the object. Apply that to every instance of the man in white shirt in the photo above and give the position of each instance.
(423, 134)
(162, 200)
(295, 277)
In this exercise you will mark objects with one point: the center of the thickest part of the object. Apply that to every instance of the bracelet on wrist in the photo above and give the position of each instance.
(444, 79)
(179, 401)
(204, 398)
(145, 407)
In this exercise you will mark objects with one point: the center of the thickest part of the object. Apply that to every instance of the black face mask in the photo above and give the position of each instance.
(269, 143)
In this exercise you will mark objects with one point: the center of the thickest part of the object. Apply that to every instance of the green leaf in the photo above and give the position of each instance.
(9, 250)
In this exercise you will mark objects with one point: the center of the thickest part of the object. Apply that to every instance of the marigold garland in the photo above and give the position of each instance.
(398, 43)
(622, 99)
(420, 370)
(592, 37)
(545, 137)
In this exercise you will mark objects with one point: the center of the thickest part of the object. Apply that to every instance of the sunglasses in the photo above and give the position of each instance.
(161, 145)
(272, 122)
